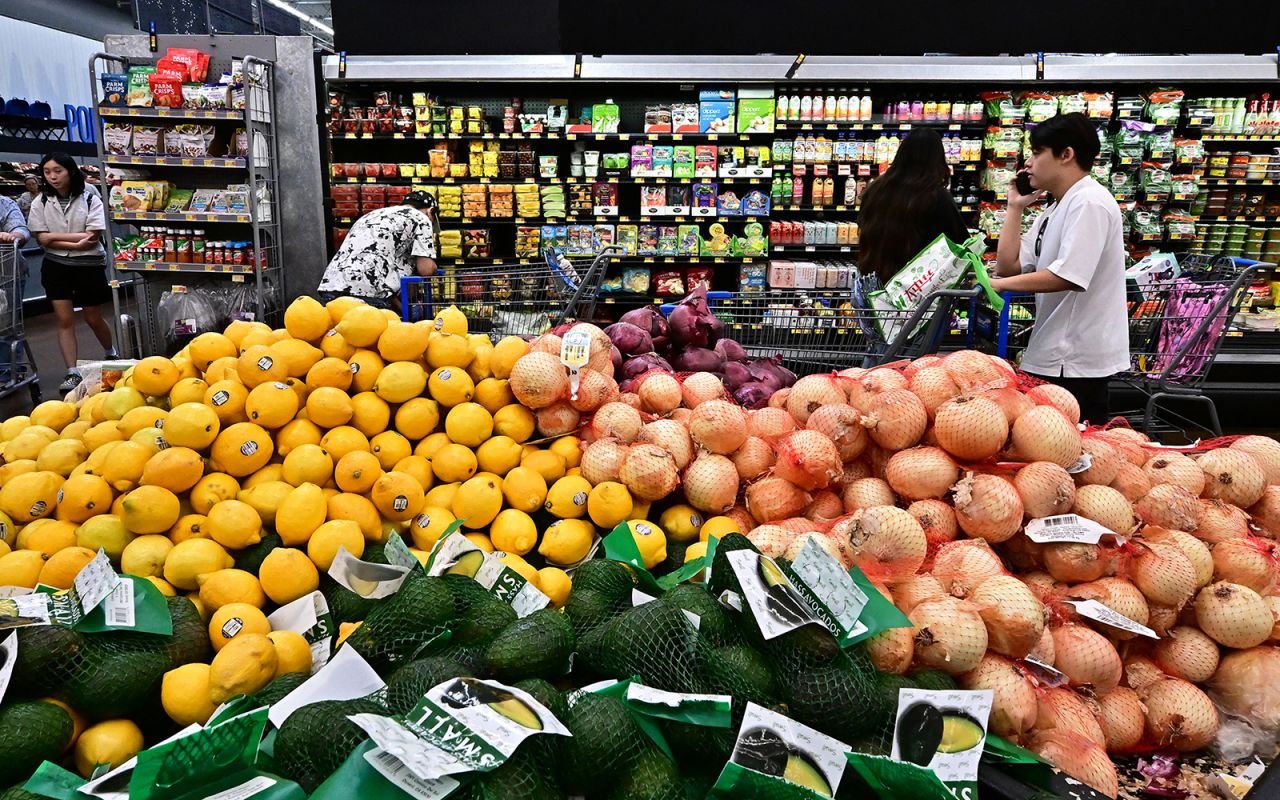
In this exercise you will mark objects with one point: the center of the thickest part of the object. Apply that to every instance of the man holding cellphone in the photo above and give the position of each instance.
(1073, 259)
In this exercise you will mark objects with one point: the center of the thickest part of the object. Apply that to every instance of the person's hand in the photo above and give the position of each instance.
(1018, 202)
(8, 237)
(997, 285)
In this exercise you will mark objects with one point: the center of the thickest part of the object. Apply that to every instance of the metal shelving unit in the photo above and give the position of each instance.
(137, 286)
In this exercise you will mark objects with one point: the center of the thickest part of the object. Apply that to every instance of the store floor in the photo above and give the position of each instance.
(42, 334)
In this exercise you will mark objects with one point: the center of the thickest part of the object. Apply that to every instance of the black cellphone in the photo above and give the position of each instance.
(1022, 181)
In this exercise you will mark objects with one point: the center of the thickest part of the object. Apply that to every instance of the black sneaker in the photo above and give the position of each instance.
(70, 382)
(110, 355)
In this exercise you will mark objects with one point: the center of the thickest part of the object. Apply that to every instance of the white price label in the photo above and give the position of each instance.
(118, 607)
(835, 597)
(1082, 463)
(394, 770)
(1096, 611)
(1065, 528)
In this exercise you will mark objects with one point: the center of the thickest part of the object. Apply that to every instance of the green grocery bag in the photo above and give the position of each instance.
(942, 264)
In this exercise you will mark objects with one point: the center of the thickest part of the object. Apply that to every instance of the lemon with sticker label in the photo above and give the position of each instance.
(650, 541)
(567, 497)
(452, 321)
(681, 522)
(429, 526)
(450, 386)
(567, 541)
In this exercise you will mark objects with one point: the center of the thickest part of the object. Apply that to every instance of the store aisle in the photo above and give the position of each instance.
(42, 333)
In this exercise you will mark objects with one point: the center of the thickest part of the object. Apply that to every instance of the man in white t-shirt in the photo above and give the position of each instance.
(1073, 259)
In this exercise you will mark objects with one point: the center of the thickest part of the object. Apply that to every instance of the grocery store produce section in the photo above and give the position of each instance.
(356, 556)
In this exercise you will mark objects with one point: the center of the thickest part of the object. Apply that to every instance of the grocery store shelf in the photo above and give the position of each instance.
(1222, 218)
(1195, 68)
(583, 216)
(927, 69)
(1239, 182)
(640, 260)
(880, 125)
(174, 161)
(640, 181)
(450, 68)
(173, 266)
(161, 216)
(814, 248)
(1215, 137)
(110, 112)
(550, 135)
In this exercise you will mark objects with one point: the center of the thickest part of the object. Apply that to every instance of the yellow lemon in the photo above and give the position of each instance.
(124, 468)
(150, 438)
(524, 489)
(717, 527)
(480, 540)
(448, 350)
(227, 399)
(389, 447)
(162, 586)
(29, 443)
(650, 541)
(442, 496)
(329, 407)
(213, 488)
(30, 496)
(108, 533)
(521, 567)
(287, 574)
(300, 514)
(48, 536)
(189, 526)
(342, 440)
(226, 586)
(478, 502)
(271, 404)
(209, 347)
(184, 694)
(266, 498)
(298, 356)
(548, 464)
(428, 447)
(84, 496)
(403, 341)
(370, 414)
(101, 434)
(21, 568)
(155, 376)
(335, 345)
(609, 503)
(75, 430)
(512, 530)
(175, 468)
(224, 369)
(234, 620)
(241, 449)
(567, 541)
(245, 665)
(187, 390)
(269, 473)
(479, 368)
(238, 329)
(334, 373)
(397, 496)
(188, 560)
(417, 468)
(322, 547)
(418, 417)
(293, 652)
(567, 497)
(306, 319)
(356, 471)
(570, 448)
(499, 455)
(258, 365)
(494, 394)
(15, 468)
(556, 584)
(62, 456)
(362, 325)
(112, 743)
(296, 434)
(366, 366)
(360, 510)
(505, 355)
(429, 526)
(400, 381)
(309, 463)
(145, 555)
(468, 424)
(235, 524)
(451, 320)
(450, 386)
(8, 531)
(194, 425)
(121, 400)
(681, 523)
(452, 463)
(63, 566)
(150, 509)
(55, 414)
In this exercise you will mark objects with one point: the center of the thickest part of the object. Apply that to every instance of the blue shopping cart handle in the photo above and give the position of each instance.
(665, 308)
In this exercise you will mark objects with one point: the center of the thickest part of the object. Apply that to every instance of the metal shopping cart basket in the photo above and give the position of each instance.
(822, 331)
(1177, 324)
(17, 363)
(504, 300)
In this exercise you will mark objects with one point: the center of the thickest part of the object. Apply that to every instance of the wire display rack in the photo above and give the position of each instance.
(137, 286)
(17, 362)
(503, 301)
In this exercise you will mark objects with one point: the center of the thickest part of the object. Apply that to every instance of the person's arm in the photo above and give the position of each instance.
(1084, 237)
(1040, 282)
(423, 248)
(1009, 246)
(13, 228)
(425, 266)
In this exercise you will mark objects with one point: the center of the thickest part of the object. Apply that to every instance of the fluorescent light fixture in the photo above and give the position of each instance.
(288, 9)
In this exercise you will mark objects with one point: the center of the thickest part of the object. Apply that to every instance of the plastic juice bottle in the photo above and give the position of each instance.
(1237, 116)
(797, 192)
(842, 106)
(903, 111)
(864, 106)
(806, 108)
(944, 110)
(930, 110)
(793, 108)
(829, 107)
(917, 110)
(882, 149)
(780, 108)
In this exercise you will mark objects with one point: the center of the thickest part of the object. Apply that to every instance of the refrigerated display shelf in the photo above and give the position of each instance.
(175, 161)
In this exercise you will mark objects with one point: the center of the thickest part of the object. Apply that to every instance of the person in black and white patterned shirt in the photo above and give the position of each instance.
(382, 247)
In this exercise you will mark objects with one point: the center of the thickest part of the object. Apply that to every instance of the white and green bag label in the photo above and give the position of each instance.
(308, 615)
(708, 710)
(398, 554)
(459, 726)
(454, 554)
(370, 581)
(99, 600)
(775, 753)
(944, 732)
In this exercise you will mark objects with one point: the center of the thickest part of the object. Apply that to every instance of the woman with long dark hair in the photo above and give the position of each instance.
(907, 207)
(68, 221)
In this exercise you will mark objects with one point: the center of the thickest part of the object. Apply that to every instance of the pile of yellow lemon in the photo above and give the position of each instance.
(343, 426)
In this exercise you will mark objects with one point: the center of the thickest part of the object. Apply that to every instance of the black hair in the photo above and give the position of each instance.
(420, 201)
(1068, 130)
(73, 169)
(900, 201)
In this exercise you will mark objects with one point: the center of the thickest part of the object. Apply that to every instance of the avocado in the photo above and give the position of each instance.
(934, 680)
(610, 578)
(837, 699)
(46, 659)
(723, 577)
(549, 696)
(407, 685)
(605, 743)
(316, 738)
(189, 641)
(589, 609)
(919, 733)
(468, 564)
(715, 625)
(960, 732)
(398, 628)
(783, 600)
(35, 731)
(653, 776)
(538, 646)
(802, 771)
(112, 683)
(468, 692)
(250, 559)
(483, 621)
(275, 691)
(466, 592)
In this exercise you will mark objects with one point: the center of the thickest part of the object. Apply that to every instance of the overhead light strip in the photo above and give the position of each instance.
(288, 9)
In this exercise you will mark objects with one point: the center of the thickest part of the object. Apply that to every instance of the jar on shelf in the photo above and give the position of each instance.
(197, 246)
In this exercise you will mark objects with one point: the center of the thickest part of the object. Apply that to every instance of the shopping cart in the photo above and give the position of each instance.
(17, 362)
(1177, 325)
(821, 331)
(504, 300)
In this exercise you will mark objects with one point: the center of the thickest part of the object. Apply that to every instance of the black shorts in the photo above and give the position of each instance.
(82, 284)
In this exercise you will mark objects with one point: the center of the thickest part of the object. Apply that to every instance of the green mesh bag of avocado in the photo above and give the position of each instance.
(34, 732)
(406, 624)
(317, 738)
